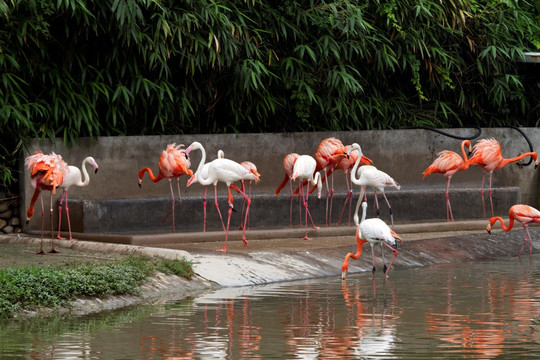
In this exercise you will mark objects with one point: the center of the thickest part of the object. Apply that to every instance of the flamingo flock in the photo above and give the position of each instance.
(49, 172)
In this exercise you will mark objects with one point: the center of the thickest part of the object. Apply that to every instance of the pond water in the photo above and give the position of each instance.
(474, 310)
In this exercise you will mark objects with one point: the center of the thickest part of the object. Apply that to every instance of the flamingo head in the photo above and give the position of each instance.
(344, 269)
(488, 229)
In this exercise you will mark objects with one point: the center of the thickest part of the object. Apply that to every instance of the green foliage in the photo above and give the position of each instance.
(30, 287)
(72, 68)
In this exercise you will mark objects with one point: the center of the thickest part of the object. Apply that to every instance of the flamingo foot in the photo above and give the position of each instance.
(61, 238)
(306, 238)
(316, 227)
(222, 250)
(53, 251)
(40, 252)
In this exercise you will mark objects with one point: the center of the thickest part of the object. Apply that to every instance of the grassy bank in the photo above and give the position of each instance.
(31, 287)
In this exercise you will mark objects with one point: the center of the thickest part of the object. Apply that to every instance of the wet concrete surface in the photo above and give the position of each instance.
(275, 255)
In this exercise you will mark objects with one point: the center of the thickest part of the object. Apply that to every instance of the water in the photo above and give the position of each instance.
(475, 310)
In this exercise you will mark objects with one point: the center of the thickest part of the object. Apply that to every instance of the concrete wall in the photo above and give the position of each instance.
(404, 154)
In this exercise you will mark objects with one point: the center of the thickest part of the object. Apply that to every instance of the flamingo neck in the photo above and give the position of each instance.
(504, 162)
(150, 173)
(86, 180)
(505, 228)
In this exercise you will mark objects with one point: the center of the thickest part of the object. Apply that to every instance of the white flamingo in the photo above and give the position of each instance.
(304, 169)
(369, 175)
(226, 171)
(374, 231)
(74, 177)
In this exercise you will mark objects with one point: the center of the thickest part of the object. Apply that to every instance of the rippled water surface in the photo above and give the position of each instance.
(473, 310)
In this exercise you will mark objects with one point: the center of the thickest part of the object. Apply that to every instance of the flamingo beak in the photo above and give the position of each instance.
(488, 229)
(344, 275)
(140, 183)
(95, 171)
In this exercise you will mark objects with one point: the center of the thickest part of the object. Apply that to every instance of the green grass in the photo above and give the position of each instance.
(31, 287)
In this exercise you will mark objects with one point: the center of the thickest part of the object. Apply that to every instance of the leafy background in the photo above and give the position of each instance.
(78, 68)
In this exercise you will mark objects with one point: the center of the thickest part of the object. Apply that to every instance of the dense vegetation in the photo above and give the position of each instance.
(32, 287)
(73, 68)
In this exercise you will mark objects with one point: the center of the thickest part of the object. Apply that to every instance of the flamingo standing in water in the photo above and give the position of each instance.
(487, 154)
(47, 172)
(374, 231)
(73, 178)
(525, 214)
(173, 163)
(448, 163)
(328, 155)
(252, 169)
(288, 166)
(304, 170)
(227, 171)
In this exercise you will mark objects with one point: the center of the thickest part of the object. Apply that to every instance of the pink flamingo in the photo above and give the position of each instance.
(288, 166)
(173, 163)
(304, 170)
(374, 231)
(328, 154)
(448, 163)
(525, 214)
(227, 171)
(487, 155)
(73, 178)
(47, 172)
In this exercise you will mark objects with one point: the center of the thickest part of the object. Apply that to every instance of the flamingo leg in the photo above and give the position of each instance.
(449, 214)
(217, 206)
(64, 193)
(348, 198)
(530, 239)
(331, 199)
(327, 195)
(68, 219)
(391, 262)
(227, 230)
(248, 202)
(482, 193)
(389, 207)
(383, 259)
(373, 256)
(376, 203)
(489, 192)
(172, 203)
(41, 252)
(204, 208)
(290, 206)
(53, 250)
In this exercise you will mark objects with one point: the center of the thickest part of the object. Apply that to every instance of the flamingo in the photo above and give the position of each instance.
(252, 169)
(369, 175)
(288, 165)
(448, 163)
(487, 155)
(328, 154)
(304, 169)
(173, 163)
(346, 165)
(525, 214)
(374, 231)
(227, 171)
(204, 174)
(47, 172)
(73, 178)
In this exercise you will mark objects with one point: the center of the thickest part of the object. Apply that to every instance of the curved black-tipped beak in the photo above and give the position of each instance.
(95, 172)
(489, 231)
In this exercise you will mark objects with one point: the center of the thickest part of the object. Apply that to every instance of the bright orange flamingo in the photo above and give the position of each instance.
(525, 214)
(328, 155)
(172, 164)
(374, 231)
(252, 169)
(288, 165)
(73, 178)
(46, 173)
(487, 154)
(304, 170)
(448, 163)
